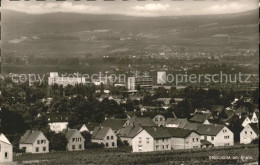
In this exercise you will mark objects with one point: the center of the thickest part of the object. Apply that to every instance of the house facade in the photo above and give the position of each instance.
(159, 120)
(34, 142)
(88, 127)
(75, 140)
(184, 139)
(152, 139)
(128, 133)
(249, 133)
(217, 135)
(246, 121)
(104, 135)
(6, 150)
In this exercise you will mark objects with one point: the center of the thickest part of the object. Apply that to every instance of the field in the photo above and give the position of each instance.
(224, 155)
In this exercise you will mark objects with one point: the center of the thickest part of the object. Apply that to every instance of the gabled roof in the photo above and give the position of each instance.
(210, 129)
(100, 132)
(69, 134)
(115, 124)
(179, 132)
(192, 126)
(142, 121)
(30, 136)
(157, 132)
(4, 139)
(180, 122)
(129, 131)
(254, 127)
(200, 118)
(91, 126)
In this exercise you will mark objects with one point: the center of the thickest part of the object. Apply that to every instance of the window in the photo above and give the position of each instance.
(224, 131)
(140, 141)
(157, 147)
(74, 139)
(113, 144)
(37, 149)
(245, 132)
(193, 139)
(107, 137)
(6, 155)
(106, 144)
(226, 144)
(251, 132)
(80, 146)
(226, 137)
(44, 149)
(112, 137)
(212, 137)
(197, 139)
(161, 119)
(38, 141)
(73, 147)
(147, 140)
(167, 146)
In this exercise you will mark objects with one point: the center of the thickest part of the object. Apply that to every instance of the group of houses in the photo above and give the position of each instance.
(144, 131)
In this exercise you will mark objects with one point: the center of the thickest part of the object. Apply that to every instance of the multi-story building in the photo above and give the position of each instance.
(217, 135)
(161, 77)
(152, 139)
(64, 80)
(131, 83)
(183, 138)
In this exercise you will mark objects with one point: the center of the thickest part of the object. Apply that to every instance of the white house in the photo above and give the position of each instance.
(217, 135)
(57, 121)
(34, 142)
(249, 133)
(6, 150)
(152, 139)
(88, 127)
(104, 135)
(75, 140)
(183, 138)
(254, 118)
(246, 121)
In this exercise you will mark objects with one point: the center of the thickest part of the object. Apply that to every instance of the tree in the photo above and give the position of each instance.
(58, 141)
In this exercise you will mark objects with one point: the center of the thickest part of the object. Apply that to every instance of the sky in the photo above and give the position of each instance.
(133, 7)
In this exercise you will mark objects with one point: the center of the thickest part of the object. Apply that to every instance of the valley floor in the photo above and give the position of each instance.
(223, 155)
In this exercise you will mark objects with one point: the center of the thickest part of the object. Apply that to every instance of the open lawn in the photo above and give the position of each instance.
(224, 155)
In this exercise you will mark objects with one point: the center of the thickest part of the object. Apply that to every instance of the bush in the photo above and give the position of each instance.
(255, 141)
(91, 145)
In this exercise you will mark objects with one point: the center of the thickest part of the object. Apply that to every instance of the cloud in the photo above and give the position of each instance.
(225, 8)
(54, 7)
(152, 7)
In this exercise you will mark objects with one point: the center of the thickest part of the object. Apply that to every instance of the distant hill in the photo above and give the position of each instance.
(194, 30)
